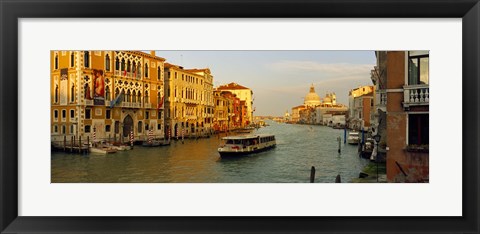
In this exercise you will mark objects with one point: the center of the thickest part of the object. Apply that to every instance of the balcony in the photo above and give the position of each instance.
(416, 95)
(89, 102)
(147, 105)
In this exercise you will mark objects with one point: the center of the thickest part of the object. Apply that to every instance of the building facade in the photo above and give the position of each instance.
(361, 106)
(106, 95)
(189, 101)
(244, 94)
(402, 80)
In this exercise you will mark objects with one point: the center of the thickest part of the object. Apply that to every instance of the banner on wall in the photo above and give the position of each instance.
(63, 86)
(98, 87)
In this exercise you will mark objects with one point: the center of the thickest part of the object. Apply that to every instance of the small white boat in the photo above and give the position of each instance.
(101, 147)
(103, 150)
(246, 144)
(353, 138)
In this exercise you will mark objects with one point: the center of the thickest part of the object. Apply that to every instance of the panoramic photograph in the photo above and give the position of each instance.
(239, 116)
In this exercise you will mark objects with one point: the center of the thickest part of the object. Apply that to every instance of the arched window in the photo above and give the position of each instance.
(134, 68)
(147, 99)
(140, 126)
(72, 59)
(139, 95)
(117, 64)
(134, 97)
(86, 58)
(146, 69)
(123, 65)
(56, 61)
(117, 92)
(158, 73)
(128, 96)
(107, 62)
(139, 70)
(107, 94)
(72, 93)
(128, 66)
(56, 94)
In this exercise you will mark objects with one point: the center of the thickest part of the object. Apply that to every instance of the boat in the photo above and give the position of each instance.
(102, 149)
(155, 143)
(118, 146)
(246, 144)
(353, 138)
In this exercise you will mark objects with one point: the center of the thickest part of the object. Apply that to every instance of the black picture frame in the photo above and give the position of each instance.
(11, 11)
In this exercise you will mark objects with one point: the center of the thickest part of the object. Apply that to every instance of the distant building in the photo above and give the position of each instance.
(244, 94)
(361, 104)
(402, 102)
(314, 107)
(286, 116)
(312, 99)
(296, 113)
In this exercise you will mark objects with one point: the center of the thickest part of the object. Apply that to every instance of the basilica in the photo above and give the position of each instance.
(316, 110)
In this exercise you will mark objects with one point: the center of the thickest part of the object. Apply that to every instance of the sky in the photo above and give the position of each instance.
(281, 79)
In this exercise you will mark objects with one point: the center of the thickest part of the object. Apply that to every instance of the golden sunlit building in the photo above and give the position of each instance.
(361, 106)
(106, 95)
(244, 94)
(189, 102)
(223, 107)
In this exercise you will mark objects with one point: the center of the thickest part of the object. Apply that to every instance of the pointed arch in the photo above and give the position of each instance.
(107, 62)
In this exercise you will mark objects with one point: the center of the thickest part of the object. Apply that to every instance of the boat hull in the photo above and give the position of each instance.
(233, 154)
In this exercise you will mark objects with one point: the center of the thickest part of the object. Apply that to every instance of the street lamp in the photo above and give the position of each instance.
(377, 139)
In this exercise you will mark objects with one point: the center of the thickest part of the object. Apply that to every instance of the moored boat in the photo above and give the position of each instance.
(103, 150)
(246, 144)
(353, 138)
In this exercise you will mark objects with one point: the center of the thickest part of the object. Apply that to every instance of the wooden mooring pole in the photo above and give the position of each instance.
(338, 179)
(71, 143)
(64, 143)
(312, 175)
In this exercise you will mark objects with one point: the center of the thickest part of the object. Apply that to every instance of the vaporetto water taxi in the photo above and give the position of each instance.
(246, 144)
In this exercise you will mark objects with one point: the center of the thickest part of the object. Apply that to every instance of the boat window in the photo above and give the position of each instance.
(237, 142)
(229, 142)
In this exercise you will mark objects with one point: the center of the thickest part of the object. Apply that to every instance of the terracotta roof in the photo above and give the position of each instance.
(198, 70)
(230, 86)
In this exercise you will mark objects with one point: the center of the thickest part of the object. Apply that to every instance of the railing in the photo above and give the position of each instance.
(126, 104)
(147, 105)
(89, 102)
(416, 95)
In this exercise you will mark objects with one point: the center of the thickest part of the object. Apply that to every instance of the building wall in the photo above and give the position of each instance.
(188, 104)
(81, 77)
(414, 164)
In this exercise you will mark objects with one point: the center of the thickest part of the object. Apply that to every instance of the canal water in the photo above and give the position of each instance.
(299, 147)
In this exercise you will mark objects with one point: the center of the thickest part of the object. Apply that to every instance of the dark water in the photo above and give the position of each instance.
(299, 147)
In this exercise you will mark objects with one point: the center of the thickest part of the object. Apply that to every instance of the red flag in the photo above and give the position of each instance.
(160, 104)
(124, 72)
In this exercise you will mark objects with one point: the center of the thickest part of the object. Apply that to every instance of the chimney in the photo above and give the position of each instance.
(152, 52)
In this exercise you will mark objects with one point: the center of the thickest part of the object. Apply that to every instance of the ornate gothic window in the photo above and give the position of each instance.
(86, 58)
(146, 70)
(72, 59)
(107, 62)
(56, 62)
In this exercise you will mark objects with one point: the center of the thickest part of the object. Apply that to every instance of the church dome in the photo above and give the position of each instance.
(327, 100)
(312, 98)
